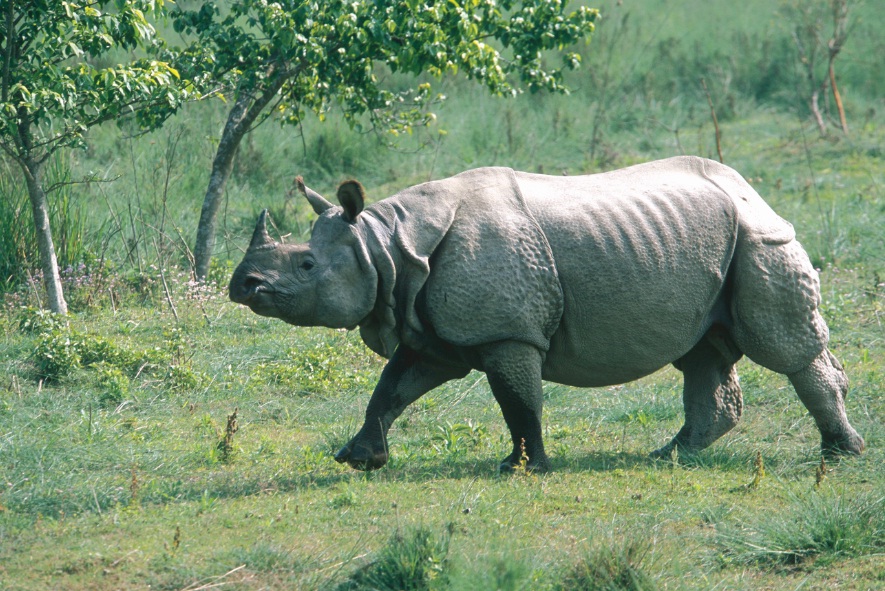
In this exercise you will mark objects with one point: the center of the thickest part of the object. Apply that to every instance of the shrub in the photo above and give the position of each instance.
(114, 385)
(56, 355)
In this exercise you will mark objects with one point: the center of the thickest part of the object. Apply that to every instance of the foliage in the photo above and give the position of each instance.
(291, 57)
(324, 369)
(333, 51)
(57, 82)
(51, 94)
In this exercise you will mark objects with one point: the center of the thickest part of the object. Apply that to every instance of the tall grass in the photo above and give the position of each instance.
(19, 258)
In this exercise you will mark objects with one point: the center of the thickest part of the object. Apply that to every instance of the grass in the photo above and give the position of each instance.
(102, 493)
(820, 526)
(119, 467)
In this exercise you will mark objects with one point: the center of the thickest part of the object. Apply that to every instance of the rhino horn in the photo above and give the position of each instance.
(260, 237)
(317, 201)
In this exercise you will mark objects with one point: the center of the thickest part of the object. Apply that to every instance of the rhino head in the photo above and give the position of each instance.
(329, 281)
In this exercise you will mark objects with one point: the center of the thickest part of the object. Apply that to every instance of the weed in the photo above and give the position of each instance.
(226, 447)
(206, 503)
(62, 350)
(179, 378)
(134, 487)
(56, 355)
(458, 438)
(346, 498)
(821, 472)
(758, 470)
(325, 369)
(39, 321)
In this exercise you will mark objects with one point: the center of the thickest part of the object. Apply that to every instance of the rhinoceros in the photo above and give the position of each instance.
(581, 280)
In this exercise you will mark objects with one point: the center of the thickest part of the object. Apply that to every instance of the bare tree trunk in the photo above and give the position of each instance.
(221, 169)
(838, 98)
(245, 111)
(834, 46)
(33, 172)
(815, 110)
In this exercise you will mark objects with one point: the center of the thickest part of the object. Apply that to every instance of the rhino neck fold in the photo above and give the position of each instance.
(402, 269)
(494, 276)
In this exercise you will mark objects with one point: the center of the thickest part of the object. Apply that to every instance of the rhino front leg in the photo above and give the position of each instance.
(822, 387)
(514, 373)
(406, 377)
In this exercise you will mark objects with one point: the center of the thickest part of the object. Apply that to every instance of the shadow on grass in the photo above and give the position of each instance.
(239, 482)
(722, 459)
(604, 461)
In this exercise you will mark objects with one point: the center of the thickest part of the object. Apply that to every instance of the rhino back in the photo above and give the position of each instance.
(642, 256)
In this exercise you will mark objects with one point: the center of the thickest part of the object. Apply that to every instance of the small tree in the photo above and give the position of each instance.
(52, 93)
(293, 56)
(816, 47)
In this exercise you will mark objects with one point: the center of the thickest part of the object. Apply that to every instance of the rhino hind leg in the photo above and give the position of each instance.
(513, 370)
(711, 395)
(822, 386)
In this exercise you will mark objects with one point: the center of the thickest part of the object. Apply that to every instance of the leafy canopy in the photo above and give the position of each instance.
(59, 75)
(329, 50)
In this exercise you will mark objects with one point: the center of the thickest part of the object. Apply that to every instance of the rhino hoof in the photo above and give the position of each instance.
(509, 466)
(360, 457)
(663, 453)
(849, 445)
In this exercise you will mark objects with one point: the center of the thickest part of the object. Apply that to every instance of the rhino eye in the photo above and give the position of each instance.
(307, 265)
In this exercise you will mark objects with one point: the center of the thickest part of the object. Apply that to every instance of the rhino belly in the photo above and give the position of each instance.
(642, 272)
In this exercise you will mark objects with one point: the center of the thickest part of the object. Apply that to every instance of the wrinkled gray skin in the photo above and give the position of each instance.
(586, 281)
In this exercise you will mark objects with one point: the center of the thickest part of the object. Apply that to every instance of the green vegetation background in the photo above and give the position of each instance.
(120, 466)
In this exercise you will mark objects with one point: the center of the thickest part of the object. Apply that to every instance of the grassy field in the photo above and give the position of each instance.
(161, 437)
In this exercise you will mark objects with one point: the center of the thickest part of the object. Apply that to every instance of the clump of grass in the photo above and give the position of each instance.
(415, 560)
(819, 524)
(610, 568)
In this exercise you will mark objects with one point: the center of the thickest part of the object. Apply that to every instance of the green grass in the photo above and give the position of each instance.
(111, 470)
(821, 525)
(95, 488)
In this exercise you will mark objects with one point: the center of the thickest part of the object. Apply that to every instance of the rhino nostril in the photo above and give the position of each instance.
(250, 286)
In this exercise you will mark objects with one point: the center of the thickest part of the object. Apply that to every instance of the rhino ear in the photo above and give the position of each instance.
(352, 197)
(260, 237)
(317, 201)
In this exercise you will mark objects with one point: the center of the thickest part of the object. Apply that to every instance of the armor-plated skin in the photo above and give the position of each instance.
(586, 281)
